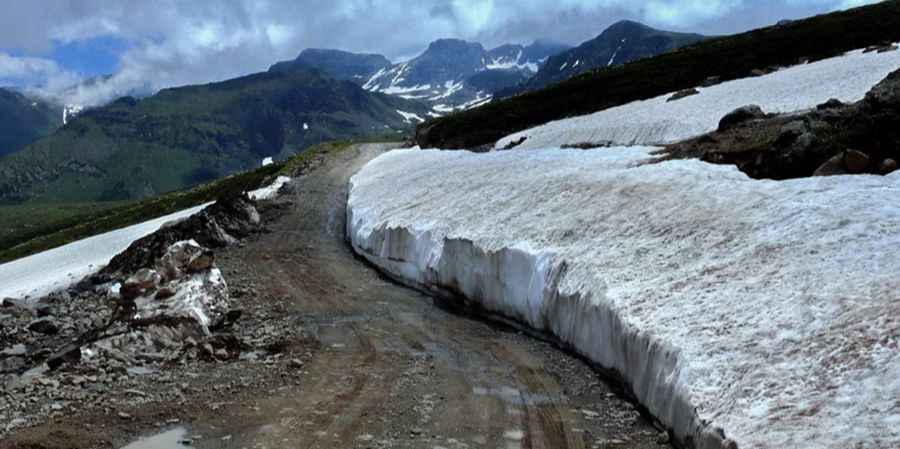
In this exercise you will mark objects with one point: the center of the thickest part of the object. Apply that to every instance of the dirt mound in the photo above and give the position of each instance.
(221, 224)
(835, 138)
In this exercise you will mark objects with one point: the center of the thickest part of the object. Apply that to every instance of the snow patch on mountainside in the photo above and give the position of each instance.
(409, 117)
(658, 121)
(766, 309)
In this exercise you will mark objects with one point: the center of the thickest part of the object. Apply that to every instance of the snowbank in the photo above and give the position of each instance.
(42, 273)
(51, 270)
(270, 191)
(766, 309)
(657, 121)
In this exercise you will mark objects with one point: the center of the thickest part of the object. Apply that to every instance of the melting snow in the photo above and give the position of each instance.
(656, 121)
(270, 191)
(267, 161)
(767, 309)
(42, 273)
(58, 268)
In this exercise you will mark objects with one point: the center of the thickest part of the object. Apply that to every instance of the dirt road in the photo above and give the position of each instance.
(367, 363)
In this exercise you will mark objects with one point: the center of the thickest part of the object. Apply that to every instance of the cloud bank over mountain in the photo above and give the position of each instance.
(169, 42)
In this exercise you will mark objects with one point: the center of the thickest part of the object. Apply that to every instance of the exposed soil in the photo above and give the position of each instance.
(351, 360)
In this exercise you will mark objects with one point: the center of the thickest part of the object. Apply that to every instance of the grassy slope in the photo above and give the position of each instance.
(30, 229)
(24, 120)
(728, 57)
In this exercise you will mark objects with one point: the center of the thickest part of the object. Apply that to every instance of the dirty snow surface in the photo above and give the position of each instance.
(769, 311)
(61, 267)
(657, 121)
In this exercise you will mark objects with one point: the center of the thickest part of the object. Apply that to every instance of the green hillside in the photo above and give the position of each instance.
(180, 137)
(24, 120)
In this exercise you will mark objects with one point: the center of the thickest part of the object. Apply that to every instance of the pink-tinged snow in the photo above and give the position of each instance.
(58, 268)
(769, 310)
(657, 121)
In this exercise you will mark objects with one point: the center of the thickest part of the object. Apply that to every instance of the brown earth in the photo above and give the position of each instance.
(358, 361)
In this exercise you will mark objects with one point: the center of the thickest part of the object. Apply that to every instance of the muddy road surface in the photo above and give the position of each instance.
(362, 362)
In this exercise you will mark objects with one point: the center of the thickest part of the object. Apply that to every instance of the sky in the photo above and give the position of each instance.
(141, 46)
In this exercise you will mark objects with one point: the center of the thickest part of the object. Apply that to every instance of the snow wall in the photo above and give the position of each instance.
(757, 313)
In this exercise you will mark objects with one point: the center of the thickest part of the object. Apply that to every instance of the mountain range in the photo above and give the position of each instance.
(451, 74)
(621, 43)
(139, 147)
(183, 136)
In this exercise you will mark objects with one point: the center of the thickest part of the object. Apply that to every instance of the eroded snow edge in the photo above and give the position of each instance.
(497, 280)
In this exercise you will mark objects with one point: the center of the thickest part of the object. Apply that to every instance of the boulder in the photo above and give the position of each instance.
(69, 354)
(44, 326)
(682, 94)
(887, 166)
(832, 167)
(885, 94)
(856, 161)
(832, 103)
(201, 262)
(790, 132)
(165, 293)
(741, 115)
(711, 81)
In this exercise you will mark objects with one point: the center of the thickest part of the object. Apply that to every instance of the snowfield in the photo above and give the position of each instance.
(42, 273)
(766, 310)
(656, 121)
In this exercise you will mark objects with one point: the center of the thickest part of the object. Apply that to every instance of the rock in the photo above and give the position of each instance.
(832, 167)
(11, 364)
(711, 81)
(124, 415)
(70, 354)
(832, 103)
(201, 262)
(885, 94)
(15, 350)
(758, 72)
(145, 278)
(856, 161)
(44, 326)
(662, 438)
(741, 115)
(165, 293)
(784, 23)
(296, 363)
(887, 48)
(682, 94)
(790, 132)
(887, 166)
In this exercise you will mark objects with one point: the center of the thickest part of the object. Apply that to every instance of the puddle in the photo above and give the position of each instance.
(514, 396)
(170, 439)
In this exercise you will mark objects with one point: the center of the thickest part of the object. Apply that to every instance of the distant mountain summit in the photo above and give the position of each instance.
(623, 42)
(340, 65)
(451, 74)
